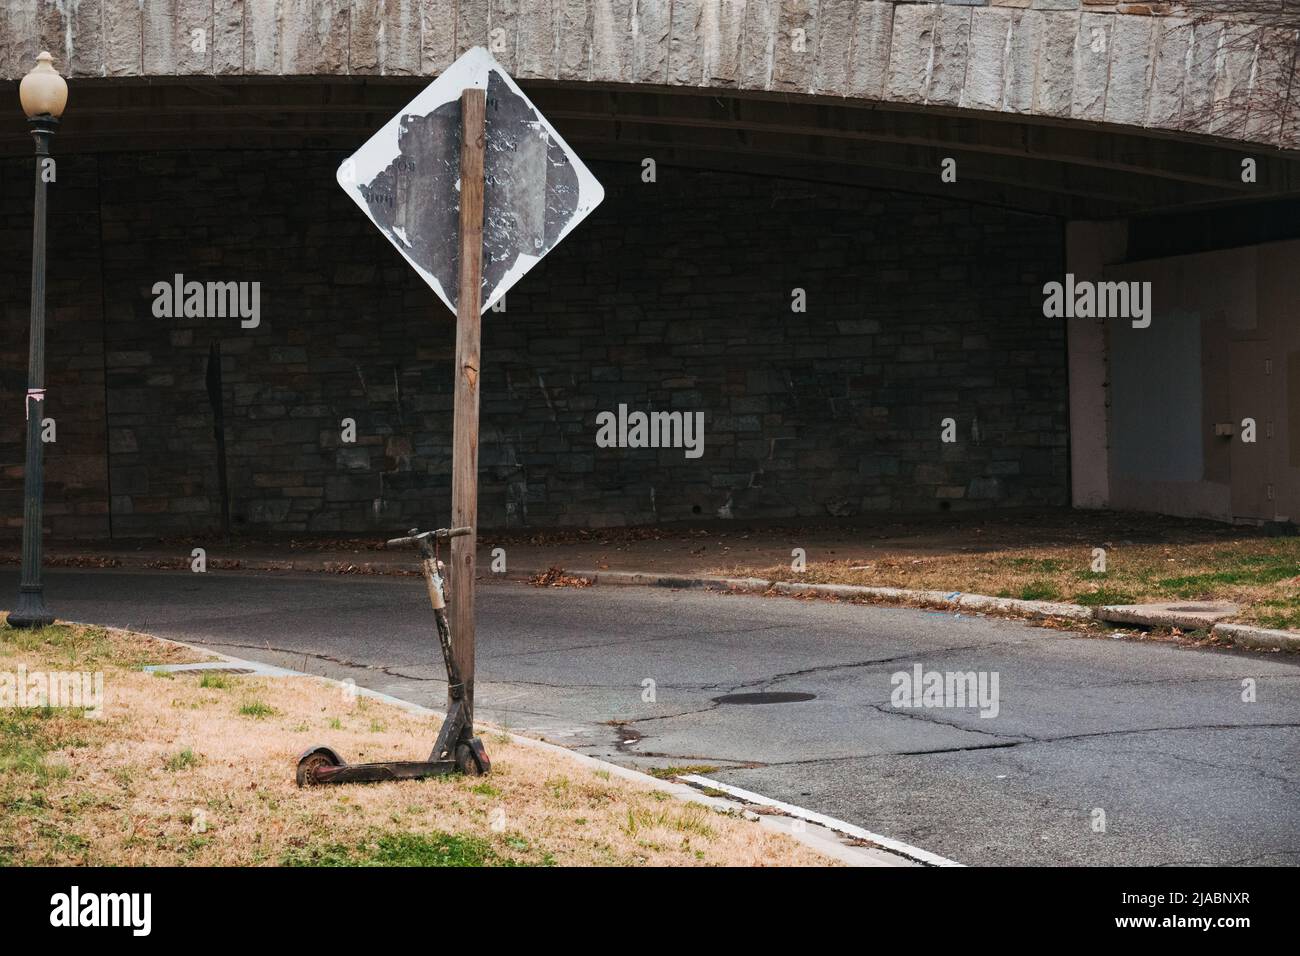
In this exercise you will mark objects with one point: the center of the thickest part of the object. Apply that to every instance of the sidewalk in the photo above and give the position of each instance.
(713, 547)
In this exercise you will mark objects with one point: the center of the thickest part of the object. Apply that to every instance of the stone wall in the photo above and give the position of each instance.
(674, 295)
(76, 468)
(1222, 68)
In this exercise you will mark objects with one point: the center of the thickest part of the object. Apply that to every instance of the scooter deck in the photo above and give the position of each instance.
(377, 772)
(321, 765)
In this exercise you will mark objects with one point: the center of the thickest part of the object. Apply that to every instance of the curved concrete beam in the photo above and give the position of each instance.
(1156, 65)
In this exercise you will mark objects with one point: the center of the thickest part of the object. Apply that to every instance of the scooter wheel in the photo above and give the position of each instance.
(313, 760)
(467, 762)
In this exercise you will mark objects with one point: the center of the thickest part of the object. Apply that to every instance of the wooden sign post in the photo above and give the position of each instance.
(406, 180)
(464, 442)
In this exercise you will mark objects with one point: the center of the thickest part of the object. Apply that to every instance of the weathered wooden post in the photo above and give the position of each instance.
(464, 443)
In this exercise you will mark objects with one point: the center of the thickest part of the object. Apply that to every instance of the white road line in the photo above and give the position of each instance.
(839, 826)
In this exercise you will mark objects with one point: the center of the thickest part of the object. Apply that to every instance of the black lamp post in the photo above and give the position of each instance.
(43, 94)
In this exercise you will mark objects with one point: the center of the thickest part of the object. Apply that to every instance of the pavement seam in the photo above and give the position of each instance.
(890, 711)
(787, 675)
(1026, 741)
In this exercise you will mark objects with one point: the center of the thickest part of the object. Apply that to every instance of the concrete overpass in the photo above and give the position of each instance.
(1118, 131)
(868, 84)
(1223, 69)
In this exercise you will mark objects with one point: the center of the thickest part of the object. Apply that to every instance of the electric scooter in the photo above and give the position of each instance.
(456, 749)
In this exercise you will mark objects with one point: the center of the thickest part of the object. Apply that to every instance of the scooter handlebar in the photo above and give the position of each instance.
(415, 537)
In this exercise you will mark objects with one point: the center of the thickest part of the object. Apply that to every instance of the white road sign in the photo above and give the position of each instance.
(406, 178)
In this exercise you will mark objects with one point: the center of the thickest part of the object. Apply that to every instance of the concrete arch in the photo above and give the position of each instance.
(1189, 68)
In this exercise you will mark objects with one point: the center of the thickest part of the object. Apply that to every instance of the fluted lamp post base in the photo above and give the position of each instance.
(31, 610)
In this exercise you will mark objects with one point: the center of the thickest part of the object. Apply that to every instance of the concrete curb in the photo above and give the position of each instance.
(944, 599)
(1244, 635)
(1260, 637)
(809, 816)
(1188, 615)
(819, 833)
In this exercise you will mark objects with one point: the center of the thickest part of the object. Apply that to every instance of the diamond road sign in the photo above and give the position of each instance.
(406, 178)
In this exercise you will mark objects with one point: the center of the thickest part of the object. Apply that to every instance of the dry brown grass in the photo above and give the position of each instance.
(174, 773)
(1260, 574)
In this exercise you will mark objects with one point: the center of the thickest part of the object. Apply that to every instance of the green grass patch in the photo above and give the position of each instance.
(1281, 613)
(1251, 570)
(1040, 591)
(24, 757)
(1103, 596)
(256, 709)
(1037, 565)
(27, 735)
(182, 761)
(60, 642)
(401, 849)
(688, 819)
(57, 839)
(215, 681)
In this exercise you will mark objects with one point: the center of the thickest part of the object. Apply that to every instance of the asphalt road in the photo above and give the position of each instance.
(1154, 736)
